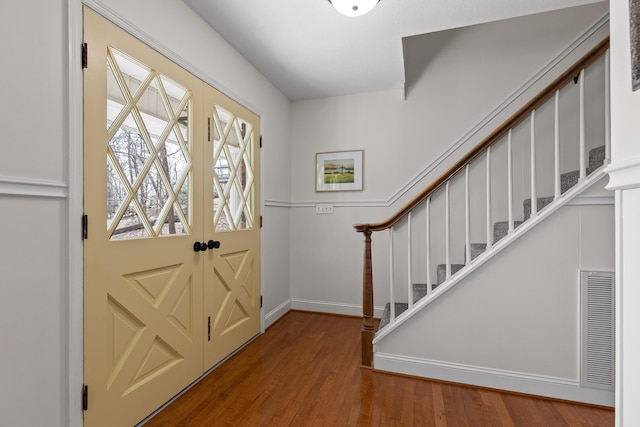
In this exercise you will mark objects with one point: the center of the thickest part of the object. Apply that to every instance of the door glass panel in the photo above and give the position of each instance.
(148, 157)
(232, 172)
(128, 71)
(130, 225)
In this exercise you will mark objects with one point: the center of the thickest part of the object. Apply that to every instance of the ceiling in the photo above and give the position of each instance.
(308, 50)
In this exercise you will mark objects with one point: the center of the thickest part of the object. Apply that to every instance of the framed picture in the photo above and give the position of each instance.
(339, 171)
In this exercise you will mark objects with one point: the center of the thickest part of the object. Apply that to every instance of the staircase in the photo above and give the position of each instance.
(444, 208)
(500, 230)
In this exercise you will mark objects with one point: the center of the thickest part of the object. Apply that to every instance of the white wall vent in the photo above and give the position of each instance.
(598, 329)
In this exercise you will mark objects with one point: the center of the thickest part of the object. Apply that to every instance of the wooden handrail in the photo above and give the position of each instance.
(511, 122)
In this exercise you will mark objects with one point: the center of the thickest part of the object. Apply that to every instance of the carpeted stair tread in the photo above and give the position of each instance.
(501, 229)
(568, 180)
(542, 202)
(596, 158)
(419, 290)
(441, 271)
(386, 314)
(476, 249)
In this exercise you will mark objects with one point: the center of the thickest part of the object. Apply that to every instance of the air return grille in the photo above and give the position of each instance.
(598, 329)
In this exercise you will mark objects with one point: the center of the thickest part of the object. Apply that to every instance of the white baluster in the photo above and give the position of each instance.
(583, 168)
(534, 197)
(409, 263)
(467, 214)
(428, 209)
(510, 180)
(489, 234)
(556, 145)
(447, 232)
(607, 109)
(392, 304)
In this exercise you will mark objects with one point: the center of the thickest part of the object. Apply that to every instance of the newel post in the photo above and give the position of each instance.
(367, 302)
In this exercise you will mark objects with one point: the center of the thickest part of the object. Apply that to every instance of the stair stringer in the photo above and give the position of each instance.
(491, 251)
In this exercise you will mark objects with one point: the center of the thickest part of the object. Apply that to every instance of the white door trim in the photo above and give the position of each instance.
(75, 174)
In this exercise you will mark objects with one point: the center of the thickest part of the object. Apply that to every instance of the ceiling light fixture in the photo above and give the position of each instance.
(353, 7)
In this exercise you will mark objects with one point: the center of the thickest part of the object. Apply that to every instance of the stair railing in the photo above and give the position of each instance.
(576, 74)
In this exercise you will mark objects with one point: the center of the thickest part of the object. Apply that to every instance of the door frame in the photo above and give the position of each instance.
(75, 187)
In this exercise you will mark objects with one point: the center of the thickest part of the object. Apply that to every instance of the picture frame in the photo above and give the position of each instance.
(339, 171)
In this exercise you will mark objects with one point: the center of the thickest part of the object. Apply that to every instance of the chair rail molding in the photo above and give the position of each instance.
(32, 188)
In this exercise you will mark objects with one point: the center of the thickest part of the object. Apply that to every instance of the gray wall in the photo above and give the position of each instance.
(472, 73)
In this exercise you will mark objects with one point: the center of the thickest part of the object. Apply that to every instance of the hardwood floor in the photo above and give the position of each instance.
(305, 371)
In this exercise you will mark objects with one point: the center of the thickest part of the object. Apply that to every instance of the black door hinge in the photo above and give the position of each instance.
(260, 221)
(85, 227)
(85, 397)
(209, 329)
(85, 55)
(260, 301)
(209, 129)
(260, 141)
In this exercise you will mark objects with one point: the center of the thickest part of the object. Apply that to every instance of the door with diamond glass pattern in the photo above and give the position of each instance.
(144, 199)
(232, 272)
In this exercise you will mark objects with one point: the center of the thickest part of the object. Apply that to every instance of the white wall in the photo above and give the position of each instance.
(625, 180)
(33, 234)
(41, 356)
(475, 71)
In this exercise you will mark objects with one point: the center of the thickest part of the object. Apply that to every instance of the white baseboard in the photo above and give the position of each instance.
(275, 314)
(332, 307)
(558, 388)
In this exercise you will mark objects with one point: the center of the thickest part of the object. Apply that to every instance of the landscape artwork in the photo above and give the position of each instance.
(339, 171)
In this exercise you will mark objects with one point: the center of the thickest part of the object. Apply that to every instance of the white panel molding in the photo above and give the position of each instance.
(624, 174)
(619, 292)
(343, 204)
(32, 188)
(586, 200)
(277, 204)
(504, 105)
(539, 385)
(332, 307)
(275, 314)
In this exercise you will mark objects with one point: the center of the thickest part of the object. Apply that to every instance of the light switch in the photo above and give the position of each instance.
(324, 208)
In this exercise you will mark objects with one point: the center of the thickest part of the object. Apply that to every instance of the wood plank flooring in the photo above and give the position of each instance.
(305, 371)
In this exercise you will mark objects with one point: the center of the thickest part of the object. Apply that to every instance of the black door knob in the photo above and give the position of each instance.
(197, 246)
(213, 244)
